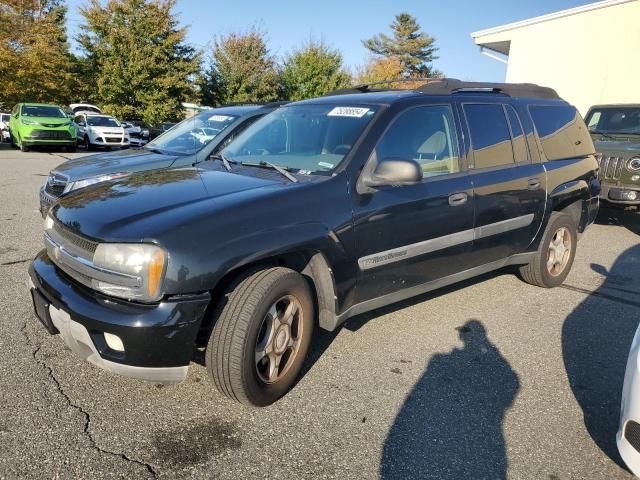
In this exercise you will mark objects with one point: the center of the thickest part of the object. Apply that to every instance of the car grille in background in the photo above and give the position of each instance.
(611, 167)
(632, 434)
(50, 135)
(55, 184)
(135, 134)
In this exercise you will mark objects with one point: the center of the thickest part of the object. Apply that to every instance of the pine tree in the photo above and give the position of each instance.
(313, 70)
(244, 69)
(35, 63)
(136, 58)
(413, 48)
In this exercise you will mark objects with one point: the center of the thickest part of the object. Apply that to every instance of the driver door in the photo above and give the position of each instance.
(411, 235)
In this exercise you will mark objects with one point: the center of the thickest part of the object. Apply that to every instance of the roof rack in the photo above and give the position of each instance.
(448, 86)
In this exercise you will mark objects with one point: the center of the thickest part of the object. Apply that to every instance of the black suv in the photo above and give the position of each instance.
(191, 141)
(319, 211)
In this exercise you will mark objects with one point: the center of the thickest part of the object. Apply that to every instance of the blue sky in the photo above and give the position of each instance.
(343, 24)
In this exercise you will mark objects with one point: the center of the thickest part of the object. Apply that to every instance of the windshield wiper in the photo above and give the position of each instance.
(281, 170)
(605, 135)
(225, 161)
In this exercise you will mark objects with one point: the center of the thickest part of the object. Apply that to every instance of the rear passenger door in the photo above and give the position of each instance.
(509, 189)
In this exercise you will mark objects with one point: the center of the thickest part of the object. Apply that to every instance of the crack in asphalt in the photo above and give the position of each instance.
(15, 262)
(598, 293)
(87, 416)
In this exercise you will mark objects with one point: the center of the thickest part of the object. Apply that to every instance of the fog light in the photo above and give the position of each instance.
(114, 342)
(629, 195)
(635, 178)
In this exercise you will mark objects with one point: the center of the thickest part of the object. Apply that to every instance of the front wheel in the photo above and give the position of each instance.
(23, 146)
(554, 258)
(261, 337)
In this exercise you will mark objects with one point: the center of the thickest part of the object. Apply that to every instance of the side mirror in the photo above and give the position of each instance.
(395, 172)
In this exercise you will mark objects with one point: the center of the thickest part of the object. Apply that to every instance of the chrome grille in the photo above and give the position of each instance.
(611, 167)
(73, 242)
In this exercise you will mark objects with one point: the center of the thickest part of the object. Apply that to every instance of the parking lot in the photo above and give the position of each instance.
(491, 378)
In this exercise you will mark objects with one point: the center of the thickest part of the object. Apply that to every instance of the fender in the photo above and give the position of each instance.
(324, 248)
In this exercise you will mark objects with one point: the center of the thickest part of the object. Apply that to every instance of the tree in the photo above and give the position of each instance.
(35, 63)
(137, 59)
(244, 69)
(313, 70)
(413, 48)
(380, 70)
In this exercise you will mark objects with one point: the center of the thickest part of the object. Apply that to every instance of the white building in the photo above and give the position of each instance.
(589, 54)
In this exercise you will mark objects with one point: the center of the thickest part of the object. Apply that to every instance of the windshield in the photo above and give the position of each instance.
(192, 134)
(102, 122)
(625, 120)
(306, 138)
(42, 111)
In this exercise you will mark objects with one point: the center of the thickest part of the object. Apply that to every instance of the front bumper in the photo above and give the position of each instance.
(158, 339)
(627, 438)
(32, 142)
(617, 194)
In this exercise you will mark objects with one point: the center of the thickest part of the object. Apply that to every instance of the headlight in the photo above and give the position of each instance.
(29, 122)
(138, 270)
(93, 180)
(634, 164)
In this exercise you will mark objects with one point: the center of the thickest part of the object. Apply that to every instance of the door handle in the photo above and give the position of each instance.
(457, 199)
(533, 183)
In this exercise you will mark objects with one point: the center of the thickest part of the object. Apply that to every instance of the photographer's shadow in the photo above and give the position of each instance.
(450, 425)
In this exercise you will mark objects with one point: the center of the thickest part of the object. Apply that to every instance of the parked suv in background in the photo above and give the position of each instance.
(319, 211)
(180, 147)
(41, 124)
(138, 136)
(98, 130)
(84, 107)
(616, 133)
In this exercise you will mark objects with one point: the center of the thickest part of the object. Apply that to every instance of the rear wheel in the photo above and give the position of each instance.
(554, 258)
(261, 337)
(87, 143)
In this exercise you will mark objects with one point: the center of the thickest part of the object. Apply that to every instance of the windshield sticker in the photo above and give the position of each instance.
(325, 164)
(219, 118)
(356, 112)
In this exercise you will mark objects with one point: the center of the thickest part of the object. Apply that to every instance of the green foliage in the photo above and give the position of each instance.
(35, 63)
(136, 58)
(414, 49)
(313, 70)
(243, 69)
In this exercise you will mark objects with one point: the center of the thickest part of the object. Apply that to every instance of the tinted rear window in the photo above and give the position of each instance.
(562, 131)
(490, 135)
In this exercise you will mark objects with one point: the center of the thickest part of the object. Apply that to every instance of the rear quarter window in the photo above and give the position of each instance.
(562, 131)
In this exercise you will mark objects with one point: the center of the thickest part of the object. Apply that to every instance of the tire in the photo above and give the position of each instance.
(88, 143)
(245, 326)
(538, 272)
(11, 142)
(23, 147)
(72, 149)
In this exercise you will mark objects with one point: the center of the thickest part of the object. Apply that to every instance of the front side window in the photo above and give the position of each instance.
(490, 136)
(424, 134)
(309, 138)
(102, 122)
(612, 120)
(191, 135)
(42, 111)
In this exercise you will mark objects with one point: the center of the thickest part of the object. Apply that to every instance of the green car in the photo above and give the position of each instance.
(35, 124)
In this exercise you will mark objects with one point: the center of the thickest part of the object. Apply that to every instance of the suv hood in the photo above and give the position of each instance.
(630, 145)
(144, 205)
(113, 162)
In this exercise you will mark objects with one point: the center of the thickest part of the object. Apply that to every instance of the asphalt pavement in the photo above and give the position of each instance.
(491, 378)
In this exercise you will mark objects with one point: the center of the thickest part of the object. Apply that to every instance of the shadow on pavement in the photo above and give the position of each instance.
(618, 216)
(596, 338)
(450, 425)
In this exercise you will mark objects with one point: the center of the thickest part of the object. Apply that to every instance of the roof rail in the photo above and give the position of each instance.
(448, 86)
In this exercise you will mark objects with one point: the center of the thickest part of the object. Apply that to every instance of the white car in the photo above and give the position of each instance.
(84, 107)
(138, 136)
(4, 127)
(95, 130)
(628, 437)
